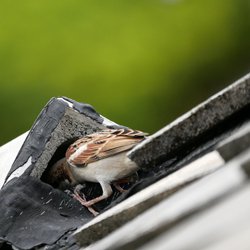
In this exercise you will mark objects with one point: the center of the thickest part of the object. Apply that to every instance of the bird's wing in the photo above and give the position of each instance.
(102, 145)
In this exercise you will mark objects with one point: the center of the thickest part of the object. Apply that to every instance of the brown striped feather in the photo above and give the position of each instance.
(104, 144)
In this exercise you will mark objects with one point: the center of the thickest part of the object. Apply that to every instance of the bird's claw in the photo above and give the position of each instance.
(82, 199)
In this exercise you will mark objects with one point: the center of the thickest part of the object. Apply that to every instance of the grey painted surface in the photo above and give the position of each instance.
(189, 201)
(238, 240)
(224, 220)
(194, 123)
(236, 143)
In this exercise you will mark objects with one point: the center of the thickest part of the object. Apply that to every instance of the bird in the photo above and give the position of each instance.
(100, 157)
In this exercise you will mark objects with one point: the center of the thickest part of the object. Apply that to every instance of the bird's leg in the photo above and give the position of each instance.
(106, 192)
(117, 183)
(83, 201)
(118, 187)
(76, 195)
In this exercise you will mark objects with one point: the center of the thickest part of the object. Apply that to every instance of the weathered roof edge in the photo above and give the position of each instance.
(194, 123)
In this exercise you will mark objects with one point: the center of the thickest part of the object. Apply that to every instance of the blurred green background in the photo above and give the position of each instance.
(139, 63)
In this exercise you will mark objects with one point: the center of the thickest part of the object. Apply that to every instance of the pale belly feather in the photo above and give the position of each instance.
(109, 169)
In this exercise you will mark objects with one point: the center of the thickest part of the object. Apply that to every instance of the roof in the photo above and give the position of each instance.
(194, 175)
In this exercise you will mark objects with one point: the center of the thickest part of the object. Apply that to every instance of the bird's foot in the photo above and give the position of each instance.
(81, 198)
(85, 204)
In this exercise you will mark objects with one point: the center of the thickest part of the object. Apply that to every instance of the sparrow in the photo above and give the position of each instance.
(99, 157)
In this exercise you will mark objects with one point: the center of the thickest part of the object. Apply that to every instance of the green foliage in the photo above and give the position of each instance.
(139, 63)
